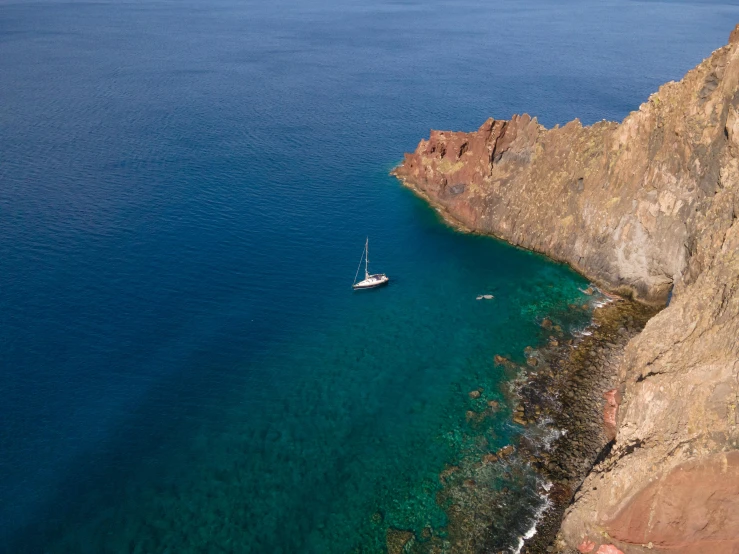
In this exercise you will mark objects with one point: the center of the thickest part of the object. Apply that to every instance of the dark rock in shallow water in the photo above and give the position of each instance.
(396, 540)
(447, 473)
(578, 383)
(506, 451)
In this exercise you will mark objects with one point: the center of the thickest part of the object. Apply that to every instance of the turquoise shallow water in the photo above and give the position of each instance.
(358, 415)
(185, 191)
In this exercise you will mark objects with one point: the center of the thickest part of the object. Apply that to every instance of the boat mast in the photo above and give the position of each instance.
(366, 258)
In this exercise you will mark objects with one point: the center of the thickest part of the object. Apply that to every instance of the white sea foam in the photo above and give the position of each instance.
(584, 331)
(537, 518)
(550, 436)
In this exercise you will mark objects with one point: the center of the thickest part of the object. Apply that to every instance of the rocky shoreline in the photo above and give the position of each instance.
(649, 208)
(571, 388)
(569, 381)
(558, 399)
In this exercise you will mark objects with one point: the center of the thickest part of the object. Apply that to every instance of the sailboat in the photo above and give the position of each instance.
(370, 281)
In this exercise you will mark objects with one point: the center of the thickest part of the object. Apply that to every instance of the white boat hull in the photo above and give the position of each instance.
(371, 282)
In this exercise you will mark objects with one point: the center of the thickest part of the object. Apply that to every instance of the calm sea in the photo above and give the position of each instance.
(185, 190)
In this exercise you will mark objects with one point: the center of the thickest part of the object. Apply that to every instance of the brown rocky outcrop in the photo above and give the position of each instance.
(623, 203)
(648, 205)
(396, 540)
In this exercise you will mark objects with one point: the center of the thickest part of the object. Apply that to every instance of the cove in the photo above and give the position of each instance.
(185, 194)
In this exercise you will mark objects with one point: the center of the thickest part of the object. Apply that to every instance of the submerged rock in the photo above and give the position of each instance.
(506, 451)
(396, 540)
(503, 361)
(448, 472)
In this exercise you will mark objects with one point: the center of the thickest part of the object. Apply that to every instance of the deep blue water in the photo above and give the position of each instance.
(185, 189)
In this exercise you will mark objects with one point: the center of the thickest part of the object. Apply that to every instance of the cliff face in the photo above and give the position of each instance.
(645, 205)
(622, 203)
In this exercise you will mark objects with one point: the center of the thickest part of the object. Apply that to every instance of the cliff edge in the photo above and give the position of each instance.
(647, 206)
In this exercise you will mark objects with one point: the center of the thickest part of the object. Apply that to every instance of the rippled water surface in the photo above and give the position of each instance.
(185, 189)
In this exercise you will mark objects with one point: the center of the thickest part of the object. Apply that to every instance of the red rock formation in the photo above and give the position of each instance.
(693, 509)
(610, 412)
(608, 549)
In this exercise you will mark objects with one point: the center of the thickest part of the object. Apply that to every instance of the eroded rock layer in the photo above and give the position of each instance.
(649, 205)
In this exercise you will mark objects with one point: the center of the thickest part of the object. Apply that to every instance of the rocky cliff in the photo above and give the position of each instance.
(647, 206)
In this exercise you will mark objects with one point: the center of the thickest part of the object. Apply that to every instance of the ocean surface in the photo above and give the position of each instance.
(185, 191)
